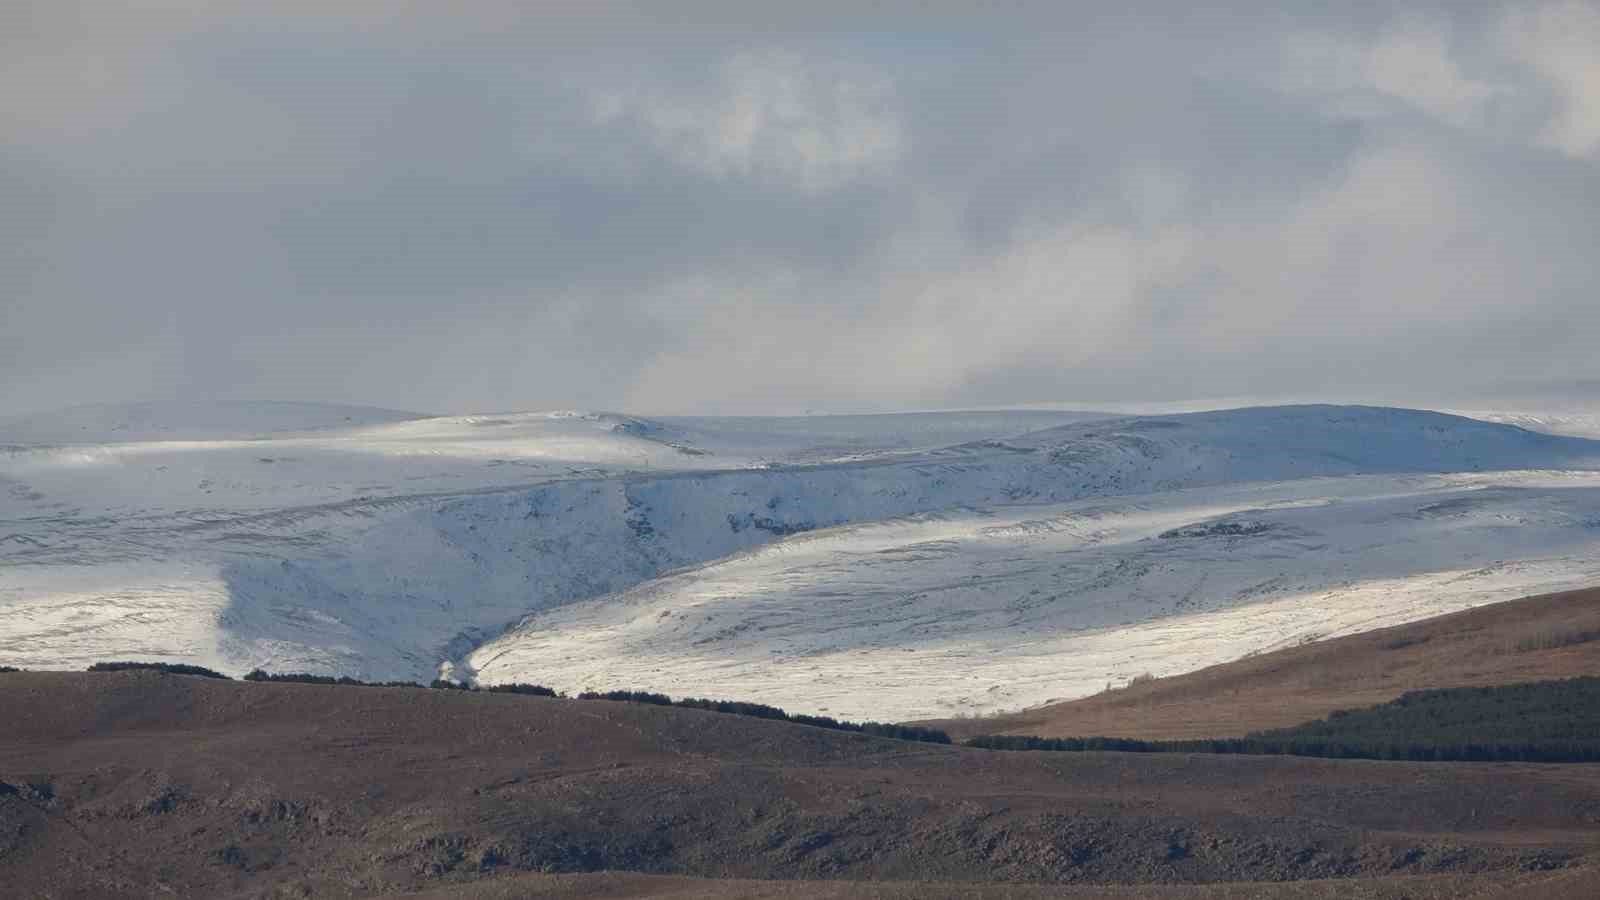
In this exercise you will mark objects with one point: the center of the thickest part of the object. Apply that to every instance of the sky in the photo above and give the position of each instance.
(778, 208)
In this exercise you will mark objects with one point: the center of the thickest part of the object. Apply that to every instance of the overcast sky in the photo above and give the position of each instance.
(761, 207)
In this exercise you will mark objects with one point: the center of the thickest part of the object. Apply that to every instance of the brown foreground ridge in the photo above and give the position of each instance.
(141, 783)
(1533, 639)
(1570, 884)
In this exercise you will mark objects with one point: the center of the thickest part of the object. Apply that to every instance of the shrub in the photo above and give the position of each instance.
(4, 669)
(308, 678)
(633, 696)
(533, 690)
(763, 711)
(823, 722)
(735, 707)
(1400, 642)
(168, 668)
(298, 677)
(906, 732)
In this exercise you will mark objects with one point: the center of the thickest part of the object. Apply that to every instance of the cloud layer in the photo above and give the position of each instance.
(524, 205)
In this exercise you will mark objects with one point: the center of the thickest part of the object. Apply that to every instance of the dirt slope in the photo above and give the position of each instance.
(136, 784)
(1537, 638)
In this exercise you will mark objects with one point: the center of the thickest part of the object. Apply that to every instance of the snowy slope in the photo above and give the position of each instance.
(386, 549)
(1574, 423)
(100, 423)
(290, 456)
(193, 547)
(1013, 606)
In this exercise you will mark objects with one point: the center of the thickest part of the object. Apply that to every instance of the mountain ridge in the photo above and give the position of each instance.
(425, 538)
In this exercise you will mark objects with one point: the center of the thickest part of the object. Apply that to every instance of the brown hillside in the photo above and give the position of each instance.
(138, 784)
(1581, 883)
(1533, 639)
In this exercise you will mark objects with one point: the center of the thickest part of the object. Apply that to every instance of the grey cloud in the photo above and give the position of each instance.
(777, 212)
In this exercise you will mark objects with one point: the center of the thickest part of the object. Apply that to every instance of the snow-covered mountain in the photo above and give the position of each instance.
(1574, 423)
(1000, 607)
(106, 423)
(863, 565)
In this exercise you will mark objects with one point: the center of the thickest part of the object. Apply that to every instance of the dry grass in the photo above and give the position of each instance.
(1532, 639)
(1555, 638)
(139, 784)
(1568, 885)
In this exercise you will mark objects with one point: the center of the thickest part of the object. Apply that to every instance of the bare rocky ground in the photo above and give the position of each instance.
(140, 784)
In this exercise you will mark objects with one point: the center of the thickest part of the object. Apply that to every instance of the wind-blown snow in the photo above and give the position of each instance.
(875, 566)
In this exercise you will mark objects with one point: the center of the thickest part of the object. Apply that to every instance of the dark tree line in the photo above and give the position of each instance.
(1413, 752)
(4, 669)
(628, 696)
(308, 678)
(441, 684)
(169, 668)
(732, 707)
(1541, 712)
(1546, 721)
(763, 711)
(533, 690)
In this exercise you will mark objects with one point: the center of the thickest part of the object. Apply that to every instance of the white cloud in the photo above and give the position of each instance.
(935, 318)
(1389, 263)
(1410, 62)
(676, 221)
(1561, 42)
(774, 115)
(1377, 253)
(1414, 64)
